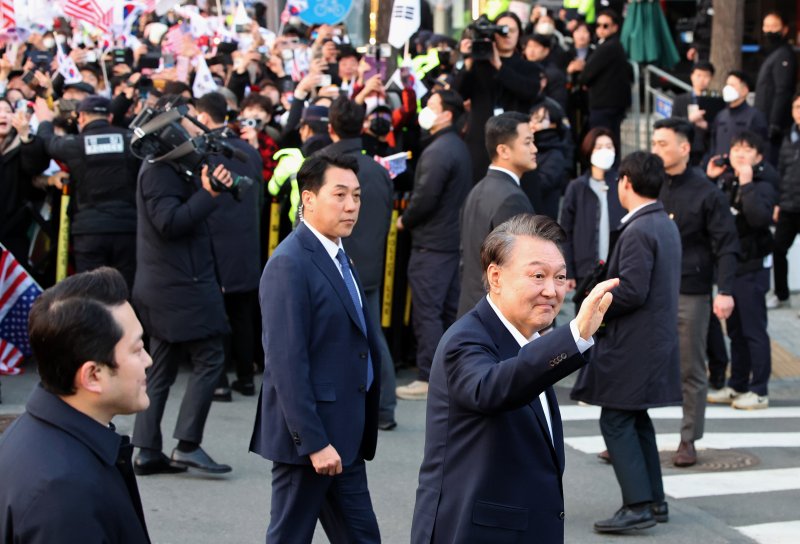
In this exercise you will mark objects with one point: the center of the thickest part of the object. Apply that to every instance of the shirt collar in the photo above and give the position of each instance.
(627, 216)
(509, 172)
(102, 440)
(518, 336)
(331, 248)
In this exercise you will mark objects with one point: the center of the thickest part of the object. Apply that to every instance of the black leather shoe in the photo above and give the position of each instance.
(245, 388)
(660, 511)
(387, 425)
(222, 394)
(200, 460)
(626, 519)
(149, 462)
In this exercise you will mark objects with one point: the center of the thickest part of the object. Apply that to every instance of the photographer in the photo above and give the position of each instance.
(504, 81)
(179, 302)
(749, 183)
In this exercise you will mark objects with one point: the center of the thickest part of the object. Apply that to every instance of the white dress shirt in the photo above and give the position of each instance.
(332, 249)
(604, 230)
(581, 344)
(627, 216)
(509, 172)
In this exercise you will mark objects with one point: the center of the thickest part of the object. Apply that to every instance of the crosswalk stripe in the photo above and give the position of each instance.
(716, 441)
(783, 532)
(731, 483)
(579, 413)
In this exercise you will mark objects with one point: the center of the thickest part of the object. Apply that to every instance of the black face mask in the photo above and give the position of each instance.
(772, 39)
(380, 126)
(444, 58)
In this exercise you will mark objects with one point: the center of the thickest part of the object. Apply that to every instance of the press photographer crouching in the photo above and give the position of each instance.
(750, 185)
(176, 292)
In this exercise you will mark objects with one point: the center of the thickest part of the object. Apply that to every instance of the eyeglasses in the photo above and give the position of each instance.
(605, 25)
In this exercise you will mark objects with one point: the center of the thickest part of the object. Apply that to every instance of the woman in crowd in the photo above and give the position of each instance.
(591, 209)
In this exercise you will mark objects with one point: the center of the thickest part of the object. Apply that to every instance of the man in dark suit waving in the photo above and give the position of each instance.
(317, 417)
(495, 198)
(494, 447)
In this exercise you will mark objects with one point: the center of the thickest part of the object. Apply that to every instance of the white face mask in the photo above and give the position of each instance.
(603, 158)
(427, 118)
(729, 94)
(48, 43)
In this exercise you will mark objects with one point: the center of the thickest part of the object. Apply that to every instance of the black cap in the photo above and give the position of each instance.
(80, 86)
(380, 108)
(94, 104)
(315, 113)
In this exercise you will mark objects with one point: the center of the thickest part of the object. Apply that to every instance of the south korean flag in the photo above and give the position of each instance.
(405, 21)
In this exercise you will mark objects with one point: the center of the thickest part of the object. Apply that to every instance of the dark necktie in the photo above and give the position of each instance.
(351, 289)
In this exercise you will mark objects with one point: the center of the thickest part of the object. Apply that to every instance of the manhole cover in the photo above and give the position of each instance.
(715, 460)
(6, 420)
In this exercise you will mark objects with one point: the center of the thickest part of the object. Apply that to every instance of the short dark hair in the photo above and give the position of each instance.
(176, 87)
(681, 127)
(255, 100)
(499, 244)
(750, 139)
(311, 175)
(612, 14)
(744, 78)
(704, 66)
(451, 101)
(645, 171)
(214, 104)
(346, 51)
(502, 129)
(589, 141)
(346, 117)
(71, 323)
(544, 41)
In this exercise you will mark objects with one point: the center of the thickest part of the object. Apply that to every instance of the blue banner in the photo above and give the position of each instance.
(325, 11)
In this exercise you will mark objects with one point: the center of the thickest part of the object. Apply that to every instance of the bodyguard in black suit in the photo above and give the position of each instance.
(636, 362)
(317, 417)
(66, 474)
(496, 198)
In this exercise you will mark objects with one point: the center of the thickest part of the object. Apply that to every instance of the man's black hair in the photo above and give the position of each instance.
(346, 117)
(502, 129)
(311, 175)
(612, 14)
(645, 171)
(255, 100)
(71, 323)
(750, 139)
(214, 104)
(705, 66)
(452, 102)
(744, 78)
(681, 127)
(347, 51)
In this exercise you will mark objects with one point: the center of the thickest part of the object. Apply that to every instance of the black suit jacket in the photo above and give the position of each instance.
(494, 199)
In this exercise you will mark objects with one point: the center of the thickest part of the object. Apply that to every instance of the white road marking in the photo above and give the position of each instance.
(579, 413)
(784, 532)
(732, 483)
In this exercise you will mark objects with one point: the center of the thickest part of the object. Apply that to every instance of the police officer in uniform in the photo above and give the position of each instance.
(103, 176)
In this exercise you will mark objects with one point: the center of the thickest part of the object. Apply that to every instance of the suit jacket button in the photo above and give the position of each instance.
(362, 388)
(561, 515)
(363, 355)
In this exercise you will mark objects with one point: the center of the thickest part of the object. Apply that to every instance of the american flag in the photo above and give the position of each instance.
(94, 12)
(17, 293)
(8, 18)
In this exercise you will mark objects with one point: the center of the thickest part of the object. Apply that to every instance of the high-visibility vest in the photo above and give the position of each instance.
(289, 162)
(584, 7)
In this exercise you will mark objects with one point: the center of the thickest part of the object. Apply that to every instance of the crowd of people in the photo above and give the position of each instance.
(225, 168)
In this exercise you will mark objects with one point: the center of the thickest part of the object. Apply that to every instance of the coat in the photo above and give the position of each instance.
(491, 472)
(544, 185)
(492, 201)
(314, 389)
(775, 86)
(234, 226)
(580, 219)
(789, 171)
(366, 246)
(176, 293)
(67, 478)
(730, 122)
(636, 360)
(442, 180)
(608, 77)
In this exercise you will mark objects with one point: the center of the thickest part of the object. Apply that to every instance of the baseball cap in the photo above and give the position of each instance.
(94, 104)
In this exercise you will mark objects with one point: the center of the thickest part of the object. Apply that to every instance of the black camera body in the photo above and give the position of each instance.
(482, 31)
(722, 160)
(158, 136)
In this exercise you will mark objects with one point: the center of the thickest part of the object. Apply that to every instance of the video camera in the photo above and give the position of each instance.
(482, 32)
(158, 136)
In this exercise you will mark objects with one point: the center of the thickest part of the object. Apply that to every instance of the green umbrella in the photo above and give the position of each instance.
(646, 36)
